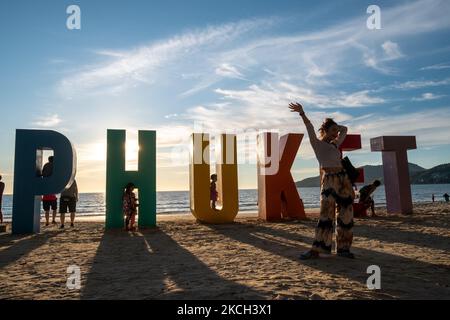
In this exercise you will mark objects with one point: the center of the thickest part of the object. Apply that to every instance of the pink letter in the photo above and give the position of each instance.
(396, 174)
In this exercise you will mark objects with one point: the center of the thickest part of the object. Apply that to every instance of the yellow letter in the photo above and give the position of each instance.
(227, 182)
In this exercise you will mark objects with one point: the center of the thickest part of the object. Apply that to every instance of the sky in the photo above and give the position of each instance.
(179, 67)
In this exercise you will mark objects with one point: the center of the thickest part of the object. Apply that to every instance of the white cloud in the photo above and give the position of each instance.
(171, 115)
(316, 58)
(227, 70)
(50, 121)
(428, 131)
(391, 50)
(440, 66)
(358, 99)
(282, 93)
(126, 69)
(417, 84)
(428, 96)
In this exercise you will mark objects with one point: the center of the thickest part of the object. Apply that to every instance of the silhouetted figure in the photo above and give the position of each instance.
(365, 196)
(68, 202)
(47, 170)
(432, 197)
(2, 189)
(337, 193)
(213, 191)
(130, 205)
(446, 197)
(49, 201)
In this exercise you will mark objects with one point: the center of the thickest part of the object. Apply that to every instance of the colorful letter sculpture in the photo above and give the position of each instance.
(396, 171)
(277, 193)
(117, 178)
(350, 143)
(227, 179)
(29, 186)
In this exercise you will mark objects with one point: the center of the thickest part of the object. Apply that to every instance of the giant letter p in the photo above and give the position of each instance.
(28, 185)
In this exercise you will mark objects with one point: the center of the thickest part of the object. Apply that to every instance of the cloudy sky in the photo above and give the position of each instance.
(223, 66)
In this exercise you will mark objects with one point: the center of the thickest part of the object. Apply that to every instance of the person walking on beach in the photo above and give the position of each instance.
(130, 205)
(365, 196)
(213, 191)
(432, 197)
(68, 202)
(446, 197)
(337, 194)
(2, 189)
(49, 201)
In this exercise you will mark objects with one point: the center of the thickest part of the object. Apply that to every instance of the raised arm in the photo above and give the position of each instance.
(342, 135)
(297, 107)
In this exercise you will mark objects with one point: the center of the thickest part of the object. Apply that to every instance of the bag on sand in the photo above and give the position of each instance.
(352, 172)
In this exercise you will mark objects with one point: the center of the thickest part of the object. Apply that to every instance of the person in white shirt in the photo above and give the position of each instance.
(337, 194)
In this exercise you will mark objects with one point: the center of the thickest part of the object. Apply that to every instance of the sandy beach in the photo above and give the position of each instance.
(250, 259)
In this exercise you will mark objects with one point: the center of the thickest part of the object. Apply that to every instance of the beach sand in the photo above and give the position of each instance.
(250, 259)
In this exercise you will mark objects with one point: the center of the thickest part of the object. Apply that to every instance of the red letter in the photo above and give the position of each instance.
(353, 142)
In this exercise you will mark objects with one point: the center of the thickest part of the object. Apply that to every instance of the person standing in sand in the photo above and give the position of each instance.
(446, 197)
(213, 191)
(2, 189)
(337, 193)
(68, 202)
(49, 201)
(130, 205)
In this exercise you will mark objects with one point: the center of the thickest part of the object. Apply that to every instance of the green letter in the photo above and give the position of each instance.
(117, 178)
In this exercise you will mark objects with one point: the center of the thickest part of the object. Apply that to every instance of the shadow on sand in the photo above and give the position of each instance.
(17, 246)
(150, 265)
(401, 277)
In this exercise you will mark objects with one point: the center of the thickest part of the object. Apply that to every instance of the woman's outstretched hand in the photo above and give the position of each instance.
(296, 107)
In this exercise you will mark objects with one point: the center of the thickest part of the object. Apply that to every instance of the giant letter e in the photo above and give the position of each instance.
(28, 185)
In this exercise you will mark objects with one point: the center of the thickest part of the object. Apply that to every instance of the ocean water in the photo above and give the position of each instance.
(178, 201)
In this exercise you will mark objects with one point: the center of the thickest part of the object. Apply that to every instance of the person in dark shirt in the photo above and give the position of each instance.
(446, 197)
(47, 170)
(49, 201)
(2, 188)
(365, 196)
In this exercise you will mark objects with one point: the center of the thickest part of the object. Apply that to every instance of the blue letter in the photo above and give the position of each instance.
(28, 185)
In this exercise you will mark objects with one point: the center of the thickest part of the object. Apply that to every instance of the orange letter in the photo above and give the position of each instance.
(277, 193)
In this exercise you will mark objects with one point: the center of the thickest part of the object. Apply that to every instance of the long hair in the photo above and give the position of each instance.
(327, 124)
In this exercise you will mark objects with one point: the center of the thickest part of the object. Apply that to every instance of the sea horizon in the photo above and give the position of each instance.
(177, 202)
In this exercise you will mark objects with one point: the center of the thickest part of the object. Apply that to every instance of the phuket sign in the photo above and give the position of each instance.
(278, 196)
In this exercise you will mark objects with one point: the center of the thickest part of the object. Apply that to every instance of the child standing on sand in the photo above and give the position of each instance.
(213, 191)
(130, 205)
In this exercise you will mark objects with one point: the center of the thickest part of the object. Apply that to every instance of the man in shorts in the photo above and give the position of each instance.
(50, 201)
(68, 203)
